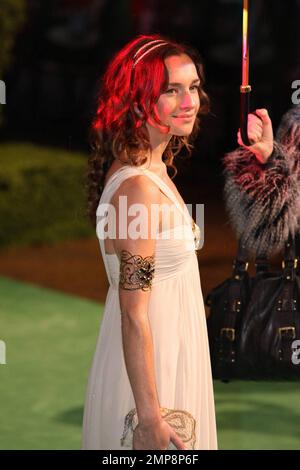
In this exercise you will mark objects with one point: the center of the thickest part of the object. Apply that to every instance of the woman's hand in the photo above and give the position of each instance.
(260, 134)
(155, 436)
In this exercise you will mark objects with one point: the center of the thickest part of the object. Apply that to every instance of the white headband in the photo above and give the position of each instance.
(161, 43)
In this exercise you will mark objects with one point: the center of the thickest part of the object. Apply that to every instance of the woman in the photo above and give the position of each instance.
(262, 189)
(152, 350)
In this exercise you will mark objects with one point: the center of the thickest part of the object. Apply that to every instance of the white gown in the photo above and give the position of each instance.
(178, 324)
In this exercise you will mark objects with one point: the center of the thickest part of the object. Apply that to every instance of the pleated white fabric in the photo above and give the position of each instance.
(181, 352)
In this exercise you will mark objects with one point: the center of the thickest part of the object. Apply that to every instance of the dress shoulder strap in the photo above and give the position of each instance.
(169, 193)
(111, 187)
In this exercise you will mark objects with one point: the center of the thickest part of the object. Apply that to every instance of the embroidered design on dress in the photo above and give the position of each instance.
(136, 272)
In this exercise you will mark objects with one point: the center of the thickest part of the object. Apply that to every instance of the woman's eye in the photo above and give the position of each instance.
(171, 91)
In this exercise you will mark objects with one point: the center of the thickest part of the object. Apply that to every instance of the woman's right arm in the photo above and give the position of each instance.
(137, 270)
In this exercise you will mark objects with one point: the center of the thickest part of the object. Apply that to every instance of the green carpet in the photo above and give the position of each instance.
(258, 415)
(50, 339)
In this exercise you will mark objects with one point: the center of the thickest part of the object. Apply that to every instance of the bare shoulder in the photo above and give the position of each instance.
(138, 188)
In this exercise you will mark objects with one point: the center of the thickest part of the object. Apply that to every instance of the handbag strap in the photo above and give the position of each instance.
(287, 303)
(232, 308)
(241, 261)
(290, 250)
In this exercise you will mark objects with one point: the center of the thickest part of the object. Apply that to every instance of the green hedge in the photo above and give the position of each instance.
(42, 195)
(12, 18)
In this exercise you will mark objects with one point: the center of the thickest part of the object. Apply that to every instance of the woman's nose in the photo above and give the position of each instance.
(187, 101)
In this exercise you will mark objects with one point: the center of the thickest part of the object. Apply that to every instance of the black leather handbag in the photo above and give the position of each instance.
(254, 322)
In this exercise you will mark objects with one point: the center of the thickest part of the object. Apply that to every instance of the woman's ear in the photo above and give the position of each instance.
(137, 110)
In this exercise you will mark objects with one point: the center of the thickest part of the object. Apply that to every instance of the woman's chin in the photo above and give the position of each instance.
(183, 132)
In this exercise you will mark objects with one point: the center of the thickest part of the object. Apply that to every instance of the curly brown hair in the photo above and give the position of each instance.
(117, 132)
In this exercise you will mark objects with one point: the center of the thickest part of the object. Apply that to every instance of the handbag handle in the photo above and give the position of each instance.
(241, 262)
(290, 250)
(290, 261)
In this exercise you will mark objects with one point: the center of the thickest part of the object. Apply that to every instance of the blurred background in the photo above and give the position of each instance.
(52, 281)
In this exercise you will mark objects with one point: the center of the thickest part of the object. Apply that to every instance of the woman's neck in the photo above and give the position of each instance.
(158, 142)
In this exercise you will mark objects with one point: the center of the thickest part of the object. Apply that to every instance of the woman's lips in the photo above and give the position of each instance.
(185, 118)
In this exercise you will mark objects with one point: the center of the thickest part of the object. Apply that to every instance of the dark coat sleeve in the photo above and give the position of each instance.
(262, 200)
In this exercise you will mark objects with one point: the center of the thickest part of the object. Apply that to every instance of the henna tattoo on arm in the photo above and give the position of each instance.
(136, 272)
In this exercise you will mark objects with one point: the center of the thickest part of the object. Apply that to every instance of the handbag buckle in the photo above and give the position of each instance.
(295, 263)
(286, 330)
(239, 264)
(229, 333)
(236, 305)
